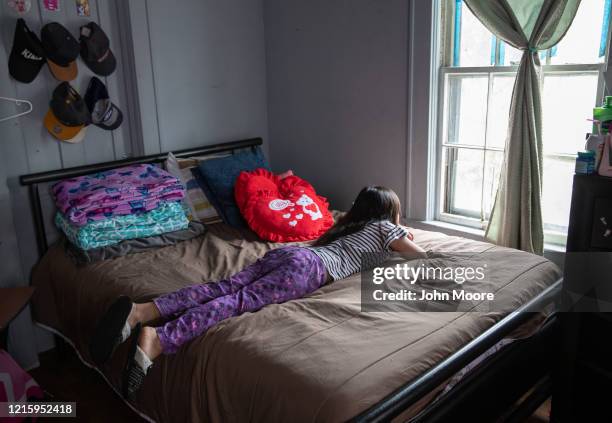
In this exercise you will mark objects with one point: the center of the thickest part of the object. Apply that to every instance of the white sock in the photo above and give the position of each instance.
(143, 361)
(125, 332)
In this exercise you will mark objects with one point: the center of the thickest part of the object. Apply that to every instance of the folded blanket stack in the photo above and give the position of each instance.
(109, 207)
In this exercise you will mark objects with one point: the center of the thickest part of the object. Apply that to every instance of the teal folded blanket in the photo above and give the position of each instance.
(168, 217)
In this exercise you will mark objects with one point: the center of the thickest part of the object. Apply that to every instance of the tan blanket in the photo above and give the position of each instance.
(313, 359)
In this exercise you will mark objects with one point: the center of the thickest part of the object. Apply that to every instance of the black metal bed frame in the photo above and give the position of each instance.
(470, 390)
(33, 180)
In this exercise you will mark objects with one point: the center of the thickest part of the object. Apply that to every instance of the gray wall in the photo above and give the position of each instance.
(26, 147)
(337, 92)
(191, 73)
(326, 78)
(201, 71)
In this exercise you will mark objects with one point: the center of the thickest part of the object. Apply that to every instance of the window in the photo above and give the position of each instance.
(477, 76)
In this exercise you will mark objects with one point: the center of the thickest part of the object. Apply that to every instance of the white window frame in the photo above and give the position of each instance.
(440, 71)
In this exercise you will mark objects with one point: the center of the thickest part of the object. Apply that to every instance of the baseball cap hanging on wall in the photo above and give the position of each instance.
(95, 50)
(61, 49)
(104, 113)
(67, 116)
(27, 55)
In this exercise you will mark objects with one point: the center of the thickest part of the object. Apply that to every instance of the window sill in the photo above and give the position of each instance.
(448, 228)
(468, 232)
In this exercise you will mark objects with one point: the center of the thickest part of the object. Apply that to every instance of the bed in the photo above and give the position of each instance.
(313, 359)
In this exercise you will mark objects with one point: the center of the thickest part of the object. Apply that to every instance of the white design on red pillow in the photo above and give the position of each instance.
(309, 207)
(279, 204)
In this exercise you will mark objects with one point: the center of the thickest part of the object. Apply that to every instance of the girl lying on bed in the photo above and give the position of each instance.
(283, 274)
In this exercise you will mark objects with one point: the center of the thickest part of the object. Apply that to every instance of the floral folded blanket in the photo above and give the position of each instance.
(117, 192)
(168, 217)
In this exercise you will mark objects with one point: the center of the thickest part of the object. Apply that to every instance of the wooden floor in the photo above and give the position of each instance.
(70, 380)
(541, 415)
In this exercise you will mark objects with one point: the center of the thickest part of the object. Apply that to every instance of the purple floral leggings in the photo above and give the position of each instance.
(281, 275)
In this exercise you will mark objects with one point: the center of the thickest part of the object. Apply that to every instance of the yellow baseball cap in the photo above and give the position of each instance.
(61, 131)
(68, 115)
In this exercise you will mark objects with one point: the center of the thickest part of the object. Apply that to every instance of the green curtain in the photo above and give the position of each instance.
(529, 25)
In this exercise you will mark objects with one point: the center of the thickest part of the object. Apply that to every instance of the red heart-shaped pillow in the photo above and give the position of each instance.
(281, 210)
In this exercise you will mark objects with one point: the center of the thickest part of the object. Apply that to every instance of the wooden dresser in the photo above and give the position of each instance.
(582, 389)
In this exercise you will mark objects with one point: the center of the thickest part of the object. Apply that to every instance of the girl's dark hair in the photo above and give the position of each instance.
(372, 203)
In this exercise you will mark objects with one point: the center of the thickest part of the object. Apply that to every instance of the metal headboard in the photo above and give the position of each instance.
(34, 179)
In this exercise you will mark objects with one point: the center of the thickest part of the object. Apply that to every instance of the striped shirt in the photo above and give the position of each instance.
(342, 257)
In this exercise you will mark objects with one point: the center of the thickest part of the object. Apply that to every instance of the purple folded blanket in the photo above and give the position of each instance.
(127, 190)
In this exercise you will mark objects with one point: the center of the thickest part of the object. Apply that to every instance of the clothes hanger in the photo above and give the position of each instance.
(18, 103)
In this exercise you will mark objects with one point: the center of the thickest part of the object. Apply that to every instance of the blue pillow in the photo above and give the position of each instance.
(199, 179)
(218, 176)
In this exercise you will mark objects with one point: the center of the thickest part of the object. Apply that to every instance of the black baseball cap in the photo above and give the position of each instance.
(95, 50)
(67, 115)
(27, 55)
(62, 50)
(103, 112)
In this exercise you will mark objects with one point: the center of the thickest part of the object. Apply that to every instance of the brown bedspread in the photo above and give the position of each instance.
(313, 359)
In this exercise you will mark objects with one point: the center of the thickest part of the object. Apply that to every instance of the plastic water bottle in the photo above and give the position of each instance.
(603, 114)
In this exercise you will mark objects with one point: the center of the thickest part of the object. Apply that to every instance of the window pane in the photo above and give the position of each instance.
(466, 105)
(501, 95)
(493, 164)
(476, 111)
(557, 192)
(509, 56)
(581, 43)
(475, 41)
(465, 180)
(567, 102)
